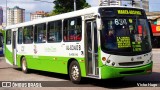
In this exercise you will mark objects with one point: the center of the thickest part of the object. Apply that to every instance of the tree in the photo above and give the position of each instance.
(63, 6)
(2, 31)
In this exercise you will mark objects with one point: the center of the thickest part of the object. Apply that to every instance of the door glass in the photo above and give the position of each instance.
(95, 38)
(95, 47)
(89, 46)
(14, 48)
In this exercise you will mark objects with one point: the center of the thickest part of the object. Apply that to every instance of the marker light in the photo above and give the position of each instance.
(113, 63)
(149, 70)
(108, 61)
(103, 59)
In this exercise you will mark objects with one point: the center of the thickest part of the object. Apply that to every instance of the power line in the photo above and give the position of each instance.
(154, 3)
(44, 1)
(19, 2)
(28, 1)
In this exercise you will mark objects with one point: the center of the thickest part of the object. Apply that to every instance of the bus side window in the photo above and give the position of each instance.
(28, 35)
(20, 35)
(8, 39)
(72, 29)
(65, 25)
(40, 33)
(54, 31)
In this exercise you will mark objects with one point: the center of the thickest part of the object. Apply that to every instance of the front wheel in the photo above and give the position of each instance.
(24, 65)
(75, 72)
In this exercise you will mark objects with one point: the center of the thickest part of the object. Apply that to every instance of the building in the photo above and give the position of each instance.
(15, 15)
(154, 17)
(38, 15)
(1, 15)
(109, 2)
(143, 4)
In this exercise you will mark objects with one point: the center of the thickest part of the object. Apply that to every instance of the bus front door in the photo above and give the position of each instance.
(92, 48)
(14, 47)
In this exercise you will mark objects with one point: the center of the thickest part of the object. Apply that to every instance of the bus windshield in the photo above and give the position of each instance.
(125, 35)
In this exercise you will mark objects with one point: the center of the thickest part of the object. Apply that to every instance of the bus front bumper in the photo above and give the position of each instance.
(114, 72)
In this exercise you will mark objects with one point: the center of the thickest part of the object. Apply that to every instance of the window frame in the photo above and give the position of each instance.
(21, 28)
(77, 29)
(36, 32)
(54, 30)
(30, 27)
(10, 36)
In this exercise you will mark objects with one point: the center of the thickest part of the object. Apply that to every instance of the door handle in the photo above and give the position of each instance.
(90, 51)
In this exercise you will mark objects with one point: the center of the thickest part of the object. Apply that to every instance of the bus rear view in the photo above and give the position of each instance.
(125, 42)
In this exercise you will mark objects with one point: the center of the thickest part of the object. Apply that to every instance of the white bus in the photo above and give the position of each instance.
(97, 42)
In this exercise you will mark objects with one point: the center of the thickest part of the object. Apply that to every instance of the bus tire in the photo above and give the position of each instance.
(74, 72)
(24, 65)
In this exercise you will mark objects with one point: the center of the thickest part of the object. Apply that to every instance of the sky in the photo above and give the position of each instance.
(33, 5)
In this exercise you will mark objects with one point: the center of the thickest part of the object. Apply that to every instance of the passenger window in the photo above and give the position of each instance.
(72, 29)
(8, 39)
(40, 33)
(20, 35)
(54, 31)
(28, 35)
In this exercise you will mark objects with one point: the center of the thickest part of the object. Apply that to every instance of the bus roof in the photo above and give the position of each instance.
(62, 16)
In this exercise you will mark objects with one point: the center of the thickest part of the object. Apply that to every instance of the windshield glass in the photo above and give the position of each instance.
(125, 35)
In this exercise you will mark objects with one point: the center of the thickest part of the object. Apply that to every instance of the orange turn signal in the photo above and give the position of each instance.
(149, 71)
(104, 59)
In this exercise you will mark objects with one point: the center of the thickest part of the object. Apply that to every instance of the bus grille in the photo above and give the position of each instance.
(131, 63)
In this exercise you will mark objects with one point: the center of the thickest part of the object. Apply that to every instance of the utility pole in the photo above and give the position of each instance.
(108, 2)
(74, 5)
(141, 4)
(6, 12)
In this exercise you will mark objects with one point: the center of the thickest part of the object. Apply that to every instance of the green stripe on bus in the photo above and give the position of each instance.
(48, 63)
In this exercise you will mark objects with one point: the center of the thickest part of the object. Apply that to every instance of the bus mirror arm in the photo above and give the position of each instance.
(99, 24)
(150, 29)
(95, 15)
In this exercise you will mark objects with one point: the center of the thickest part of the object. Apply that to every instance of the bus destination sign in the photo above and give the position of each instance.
(129, 12)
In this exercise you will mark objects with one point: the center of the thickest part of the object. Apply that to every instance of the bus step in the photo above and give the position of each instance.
(93, 76)
(15, 66)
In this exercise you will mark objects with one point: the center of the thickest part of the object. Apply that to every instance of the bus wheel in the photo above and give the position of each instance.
(75, 72)
(24, 65)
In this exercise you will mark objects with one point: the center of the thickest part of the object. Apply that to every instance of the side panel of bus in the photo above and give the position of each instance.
(52, 56)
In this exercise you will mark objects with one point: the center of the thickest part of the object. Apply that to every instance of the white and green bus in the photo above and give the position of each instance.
(98, 42)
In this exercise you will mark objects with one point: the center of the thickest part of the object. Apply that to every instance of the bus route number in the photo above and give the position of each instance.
(120, 21)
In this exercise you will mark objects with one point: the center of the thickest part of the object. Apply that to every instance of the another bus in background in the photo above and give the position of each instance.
(1, 44)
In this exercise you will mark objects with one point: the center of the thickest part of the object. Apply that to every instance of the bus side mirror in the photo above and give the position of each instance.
(150, 30)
